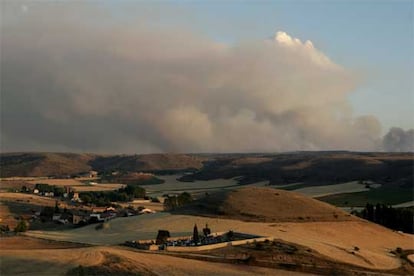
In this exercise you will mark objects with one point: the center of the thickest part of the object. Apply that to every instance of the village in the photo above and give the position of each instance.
(62, 204)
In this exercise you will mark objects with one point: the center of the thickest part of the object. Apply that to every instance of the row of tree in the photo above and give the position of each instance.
(400, 219)
(105, 198)
(175, 201)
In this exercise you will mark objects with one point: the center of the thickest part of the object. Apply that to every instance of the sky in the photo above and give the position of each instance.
(204, 76)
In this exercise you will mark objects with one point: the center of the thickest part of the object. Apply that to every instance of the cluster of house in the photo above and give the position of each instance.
(81, 217)
(68, 192)
(49, 194)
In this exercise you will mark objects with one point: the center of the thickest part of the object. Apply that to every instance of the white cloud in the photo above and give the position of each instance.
(307, 49)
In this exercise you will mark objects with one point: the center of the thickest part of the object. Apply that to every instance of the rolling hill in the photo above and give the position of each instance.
(67, 164)
(265, 205)
(43, 164)
(344, 239)
(312, 168)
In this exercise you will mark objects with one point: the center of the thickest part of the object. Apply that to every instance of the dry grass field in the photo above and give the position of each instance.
(98, 187)
(29, 199)
(7, 217)
(53, 258)
(334, 239)
(265, 205)
(276, 214)
(77, 184)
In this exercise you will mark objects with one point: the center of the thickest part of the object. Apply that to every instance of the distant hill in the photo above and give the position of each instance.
(43, 164)
(312, 168)
(265, 205)
(147, 162)
(69, 164)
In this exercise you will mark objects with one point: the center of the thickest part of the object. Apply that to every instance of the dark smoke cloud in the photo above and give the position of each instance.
(399, 140)
(73, 79)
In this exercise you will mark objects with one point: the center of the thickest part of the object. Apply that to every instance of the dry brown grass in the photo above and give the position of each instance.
(334, 239)
(29, 243)
(28, 198)
(98, 187)
(250, 160)
(411, 258)
(266, 205)
(59, 182)
(7, 217)
(75, 183)
(42, 258)
(155, 206)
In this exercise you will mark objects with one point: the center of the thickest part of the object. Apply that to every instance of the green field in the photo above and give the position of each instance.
(385, 195)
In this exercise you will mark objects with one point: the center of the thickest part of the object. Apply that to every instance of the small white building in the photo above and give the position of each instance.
(146, 211)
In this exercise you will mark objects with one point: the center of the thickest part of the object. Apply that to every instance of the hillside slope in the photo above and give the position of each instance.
(265, 205)
(64, 164)
(147, 162)
(43, 164)
(312, 168)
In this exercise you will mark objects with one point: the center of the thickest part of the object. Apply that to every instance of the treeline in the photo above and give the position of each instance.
(105, 198)
(175, 201)
(400, 219)
(125, 177)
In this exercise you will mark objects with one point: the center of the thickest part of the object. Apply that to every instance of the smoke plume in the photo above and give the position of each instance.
(77, 80)
(398, 140)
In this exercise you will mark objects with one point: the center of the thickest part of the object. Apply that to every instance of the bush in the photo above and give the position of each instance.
(21, 227)
(155, 199)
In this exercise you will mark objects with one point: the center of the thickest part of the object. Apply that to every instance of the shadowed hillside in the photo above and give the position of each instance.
(265, 205)
(312, 168)
(147, 162)
(65, 164)
(43, 164)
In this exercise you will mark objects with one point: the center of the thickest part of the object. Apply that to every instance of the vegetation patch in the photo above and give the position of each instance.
(385, 195)
(105, 198)
(401, 219)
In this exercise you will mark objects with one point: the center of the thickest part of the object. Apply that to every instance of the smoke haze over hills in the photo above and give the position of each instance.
(77, 80)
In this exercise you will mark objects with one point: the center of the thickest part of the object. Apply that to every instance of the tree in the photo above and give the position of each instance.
(184, 198)
(170, 203)
(21, 227)
(206, 231)
(47, 212)
(57, 210)
(196, 238)
(86, 198)
(162, 236)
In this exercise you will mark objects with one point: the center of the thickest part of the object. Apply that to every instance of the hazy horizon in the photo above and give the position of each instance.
(141, 77)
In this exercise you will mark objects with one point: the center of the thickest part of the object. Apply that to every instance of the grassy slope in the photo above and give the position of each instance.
(47, 164)
(334, 239)
(43, 164)
(265, 205)
(385, 195)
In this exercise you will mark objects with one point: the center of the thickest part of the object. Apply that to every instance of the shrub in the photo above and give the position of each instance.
(155, 199)
(21, 227)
